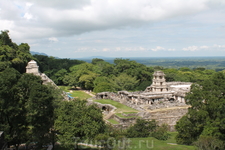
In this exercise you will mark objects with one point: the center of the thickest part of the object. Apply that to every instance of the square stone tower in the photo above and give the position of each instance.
(32, 67)
(158, 83)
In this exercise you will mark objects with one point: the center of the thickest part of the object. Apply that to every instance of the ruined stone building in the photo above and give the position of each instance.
(162, 101)
(33, 68)
(160, 94)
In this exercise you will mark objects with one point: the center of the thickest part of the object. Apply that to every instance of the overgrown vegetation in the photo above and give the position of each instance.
(31, 112)
(206, 116)
(122, 74)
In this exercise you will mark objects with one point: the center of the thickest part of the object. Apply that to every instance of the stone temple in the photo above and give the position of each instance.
(33, 68)
(160, 94)
(163, 101)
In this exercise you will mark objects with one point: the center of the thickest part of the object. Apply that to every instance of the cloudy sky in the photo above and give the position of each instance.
(117, 28)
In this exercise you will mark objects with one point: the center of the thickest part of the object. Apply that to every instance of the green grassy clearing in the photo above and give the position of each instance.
(75, 93)
(154, 144)
(146, 144)
(80, 94)
(120, 107)
(130, 112)
(113, 121)
(60, 147)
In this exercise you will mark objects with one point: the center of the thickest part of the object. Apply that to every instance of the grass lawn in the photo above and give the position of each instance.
(130, 112)
(120, 107)
(75, 93)
(112, 121)
(59, 147)
(154, 144)
(80, 94)
(149, 143)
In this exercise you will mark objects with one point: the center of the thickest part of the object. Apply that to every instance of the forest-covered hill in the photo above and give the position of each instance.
(215, 63)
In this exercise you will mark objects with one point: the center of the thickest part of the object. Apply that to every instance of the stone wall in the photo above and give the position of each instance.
(125, 121)
(142, 101)
(166, 115)
(169, 116)
(106, 108)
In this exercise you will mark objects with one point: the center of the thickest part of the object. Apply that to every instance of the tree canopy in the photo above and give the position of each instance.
(26, 107)
(13, 55)
(77, 120)
(206, 116)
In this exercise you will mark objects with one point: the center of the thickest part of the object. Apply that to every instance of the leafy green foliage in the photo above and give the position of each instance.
(81, 76)
(124, 82)
(142, 128)
(187, 75)
(105, 141)
(206, 115)
(103, 87)
(77, 119)
(12, 55)
(148, 128)
(209, 143)
(103, 76)
(55, 68)
(26, 107)
(161, 132)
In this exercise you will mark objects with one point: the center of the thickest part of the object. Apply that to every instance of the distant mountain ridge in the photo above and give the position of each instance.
(37, 53)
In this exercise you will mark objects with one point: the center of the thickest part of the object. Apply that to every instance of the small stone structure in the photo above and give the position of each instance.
(32, 67)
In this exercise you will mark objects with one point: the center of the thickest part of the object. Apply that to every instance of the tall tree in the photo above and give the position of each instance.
(26, 107)
(124, 82)
(206, 115)
(12, 55)
(78, 121)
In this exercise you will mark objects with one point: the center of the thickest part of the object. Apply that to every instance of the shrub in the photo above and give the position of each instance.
(142, 128)
(209, 143)
(161, 132)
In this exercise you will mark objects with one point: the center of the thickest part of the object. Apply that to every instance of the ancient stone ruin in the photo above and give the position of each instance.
(162, 101)
(33, 68)
(160, 94)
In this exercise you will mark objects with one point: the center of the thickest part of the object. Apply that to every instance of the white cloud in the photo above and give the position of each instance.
(219, 47)
(191, 48)
(158, 48)
(133, 49)
(82, 49)
(204, 47)
(117, 49)
(137, 25)
(28, 16)
(28, 5)
(198, 48)
(71, 17)
(171, 49)
(106, 49)
(53, 39)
